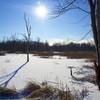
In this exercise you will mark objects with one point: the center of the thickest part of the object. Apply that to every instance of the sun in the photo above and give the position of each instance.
(41, 11)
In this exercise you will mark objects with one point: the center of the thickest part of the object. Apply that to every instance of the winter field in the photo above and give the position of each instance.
(54, 70)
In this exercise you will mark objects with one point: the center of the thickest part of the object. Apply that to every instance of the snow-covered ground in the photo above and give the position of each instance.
(53, 70)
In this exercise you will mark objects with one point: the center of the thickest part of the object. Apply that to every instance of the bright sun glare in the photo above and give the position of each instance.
(41, 11)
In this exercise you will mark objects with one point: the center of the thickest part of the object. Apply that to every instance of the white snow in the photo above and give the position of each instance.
(53, 69)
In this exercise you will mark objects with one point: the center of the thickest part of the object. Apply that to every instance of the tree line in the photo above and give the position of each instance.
(20, 46)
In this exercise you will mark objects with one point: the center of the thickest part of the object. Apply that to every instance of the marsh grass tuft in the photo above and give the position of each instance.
(34, 91)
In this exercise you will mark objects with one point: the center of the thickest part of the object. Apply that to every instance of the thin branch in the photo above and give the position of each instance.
(83, 10)
(61, 9)
(81, 19)
(56, 14)
(24, 36)
(84, 36)
(67, 5)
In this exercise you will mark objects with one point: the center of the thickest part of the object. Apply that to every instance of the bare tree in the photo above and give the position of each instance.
(27, 36)
(93, 10)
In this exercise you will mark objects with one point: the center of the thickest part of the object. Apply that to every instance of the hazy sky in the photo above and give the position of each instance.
(65, 27)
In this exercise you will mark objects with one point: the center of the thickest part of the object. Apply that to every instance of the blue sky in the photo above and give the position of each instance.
(64, 27)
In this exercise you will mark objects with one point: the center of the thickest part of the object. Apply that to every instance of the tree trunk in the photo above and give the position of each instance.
(27, 50)
(95, 23)
(98, 36)
(98, 25)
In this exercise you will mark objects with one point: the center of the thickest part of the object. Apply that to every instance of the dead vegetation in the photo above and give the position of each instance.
(43, 54)
(90, 79)
(86, 72)
(47, 92)
(34, 91)
(2, 53)
(6, 93)
(77, 55)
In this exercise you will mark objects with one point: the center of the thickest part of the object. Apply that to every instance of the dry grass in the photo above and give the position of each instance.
(6, 93)
(47, 92)
(2, 53)
(44, 92)
(45, 53)
(53, 93)
(86, 71)
(30, 87)
(90, 79)
(88, 55)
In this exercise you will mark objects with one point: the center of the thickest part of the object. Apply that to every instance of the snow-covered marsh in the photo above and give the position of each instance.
(53, 70)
